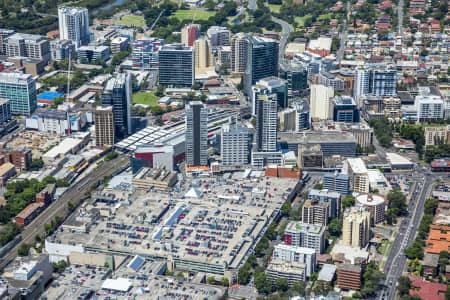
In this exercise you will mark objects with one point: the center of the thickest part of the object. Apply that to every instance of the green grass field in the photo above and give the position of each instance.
(275, 8)
(131, 20)
(145, 98)
(189, 14)
(301, 20)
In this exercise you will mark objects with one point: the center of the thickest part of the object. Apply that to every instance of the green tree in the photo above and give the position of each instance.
(261, 283)
(404, 285)
(318, 186)
(24, 249)
(211, 280)
(224, 281)
(286, 208)
(244, 274)
(282, 284)
(298, 287)
(159, 91)
(348, 201)
(335, 227)
(210, 4)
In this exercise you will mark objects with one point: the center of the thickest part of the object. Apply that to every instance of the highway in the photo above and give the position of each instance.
(396, 261)
(59, 208)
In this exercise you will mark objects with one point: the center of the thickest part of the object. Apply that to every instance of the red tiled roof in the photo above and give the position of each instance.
(428, 290)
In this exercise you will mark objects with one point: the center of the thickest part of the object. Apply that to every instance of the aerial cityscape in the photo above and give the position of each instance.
(225, 149)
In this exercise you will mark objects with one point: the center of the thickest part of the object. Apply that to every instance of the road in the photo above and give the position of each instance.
(400, 15)
(252, 5)
(59, 208)
(284, 36)
(396, 261)
(343, 36)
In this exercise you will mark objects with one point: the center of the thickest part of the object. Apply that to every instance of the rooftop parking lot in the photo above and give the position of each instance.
(209, 221)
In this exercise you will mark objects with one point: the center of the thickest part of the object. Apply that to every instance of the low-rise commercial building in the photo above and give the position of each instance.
(349, 277)
(292, 271)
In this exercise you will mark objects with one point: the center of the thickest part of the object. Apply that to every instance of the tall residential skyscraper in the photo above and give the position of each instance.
(234, 144)
(266, 123)
(118, 94)
(189, 33)
(321, 102)
(104, 125)
(270, 85)
(356, 227)
(203, 57)
(375, 81)
(315, 212)
(20, 90)
(219, 36)
(176, 65)
(196, 134)
(73, 24)
(239, 47)
(262, 60)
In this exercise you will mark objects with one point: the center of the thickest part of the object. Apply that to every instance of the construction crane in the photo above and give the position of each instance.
(157, 19)
(68, 93)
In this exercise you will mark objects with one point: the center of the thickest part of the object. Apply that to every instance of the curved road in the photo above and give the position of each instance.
(284, 36)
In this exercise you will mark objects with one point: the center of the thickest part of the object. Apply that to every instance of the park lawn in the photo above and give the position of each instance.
(131, 20)
(190, 14)
(147, 98)
(325, 16)
(301, 20)
(275, 8)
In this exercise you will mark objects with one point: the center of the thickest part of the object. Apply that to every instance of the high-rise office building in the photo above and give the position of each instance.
(345, 110)
(239, 45)
(176, 65)
(337, 182)
(5, 110)
(356, 227)
(321, 102)
(118, 94)
(203, 57)
(74, 24)
(104, 125)
(20, 90)
(261, 62)
(219, 36)
(234, 144)
(270, 85)
(196, 134)
(27, 45)
(378, 82)
(296, 76)
(189, 33)
(266, 123)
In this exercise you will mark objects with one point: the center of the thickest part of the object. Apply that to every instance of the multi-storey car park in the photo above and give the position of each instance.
(206, 224)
